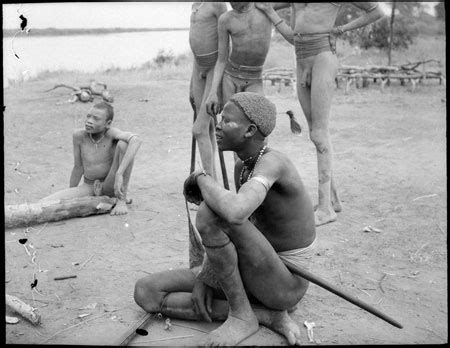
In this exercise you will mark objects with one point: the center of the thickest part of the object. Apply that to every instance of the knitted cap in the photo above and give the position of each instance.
(258, 109)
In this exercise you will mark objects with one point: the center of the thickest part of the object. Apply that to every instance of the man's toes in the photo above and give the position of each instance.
(324, 218)
(291, 338)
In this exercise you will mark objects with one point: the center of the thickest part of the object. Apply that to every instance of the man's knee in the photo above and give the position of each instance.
(206, 219)
(210, 226)
(199, 130)
(320, 138)
(146, 292)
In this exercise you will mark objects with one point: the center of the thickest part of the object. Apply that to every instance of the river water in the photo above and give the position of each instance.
(87, 53)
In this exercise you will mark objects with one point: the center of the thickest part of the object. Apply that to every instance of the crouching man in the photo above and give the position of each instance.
(246, 235)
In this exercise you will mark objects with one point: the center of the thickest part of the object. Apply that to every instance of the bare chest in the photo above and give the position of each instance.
(97, 152)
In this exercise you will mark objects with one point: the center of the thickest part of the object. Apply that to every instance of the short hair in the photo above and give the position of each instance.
(258, 109)
(107, 107)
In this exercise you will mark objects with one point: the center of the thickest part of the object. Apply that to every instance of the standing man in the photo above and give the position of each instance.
(246, 236)
(244, 40)
(310, 30)
(203, 40)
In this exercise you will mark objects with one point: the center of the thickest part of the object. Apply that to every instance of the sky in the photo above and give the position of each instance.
(99, 15)
(103, 14)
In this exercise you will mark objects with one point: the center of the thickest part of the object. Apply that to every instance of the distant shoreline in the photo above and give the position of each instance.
(82, 31)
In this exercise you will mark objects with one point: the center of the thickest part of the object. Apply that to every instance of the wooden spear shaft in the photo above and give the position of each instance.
(222, 163)
(131, 333)
(330, 287)
(196, 252)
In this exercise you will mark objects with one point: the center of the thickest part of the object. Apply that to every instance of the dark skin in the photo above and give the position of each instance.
(257, 285)
(315, 83)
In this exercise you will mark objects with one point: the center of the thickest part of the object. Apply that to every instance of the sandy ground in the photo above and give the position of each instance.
(390, 166)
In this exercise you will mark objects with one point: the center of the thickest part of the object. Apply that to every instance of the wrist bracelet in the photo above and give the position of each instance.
(339, 29)
(203, 172)
(279, 22)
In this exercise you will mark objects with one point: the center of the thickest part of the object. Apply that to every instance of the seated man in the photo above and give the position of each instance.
(104, 156)
(246, 236)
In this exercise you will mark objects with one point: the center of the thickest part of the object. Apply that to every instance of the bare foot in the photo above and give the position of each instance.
(281, 322)
(335, 201)
(232, 332)
(337, 206)
(98, 188)
(120, 208)
(323, 218)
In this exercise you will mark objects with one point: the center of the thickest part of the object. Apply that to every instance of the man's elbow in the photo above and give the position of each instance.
(135, 139)
(378, 14)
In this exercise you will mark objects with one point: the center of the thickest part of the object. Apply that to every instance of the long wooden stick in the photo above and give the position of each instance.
(191, 100)
(129, 335)
(222, 163)
(330, 287)
(196, 251)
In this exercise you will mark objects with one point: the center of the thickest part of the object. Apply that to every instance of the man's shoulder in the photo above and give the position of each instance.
(226, 17)
(79, 134)
(276, 157)
(218, 6)
(113, 132)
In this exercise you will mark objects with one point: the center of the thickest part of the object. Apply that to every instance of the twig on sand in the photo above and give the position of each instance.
(364, 292)
(165, 339)
(85, 262)
(427, 196)
(413, 258)
(190, 327)
(440, 229)
(430, 330)
(84, 321)
(45, 225)
(379, 282)
(65, 277)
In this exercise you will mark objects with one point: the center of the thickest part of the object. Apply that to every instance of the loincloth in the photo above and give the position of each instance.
(308, 45)
(243, 71)
(208, 60)
(300, 257)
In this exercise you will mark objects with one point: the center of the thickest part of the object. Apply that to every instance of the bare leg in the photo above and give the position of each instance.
(203, 129)
(260, 269)
(169, 292)
(241, 322)
(108, 185)
(83, 190)
(315, 86)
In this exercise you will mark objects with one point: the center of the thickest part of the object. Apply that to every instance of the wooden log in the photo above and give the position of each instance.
(35, 213)
(23, 309)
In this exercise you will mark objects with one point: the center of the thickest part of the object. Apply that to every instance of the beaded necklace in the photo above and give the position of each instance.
(241, 176)
(98, 141)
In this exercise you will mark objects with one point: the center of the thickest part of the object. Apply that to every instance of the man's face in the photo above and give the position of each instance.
(96, 121)
(231, 129)
(238, 5)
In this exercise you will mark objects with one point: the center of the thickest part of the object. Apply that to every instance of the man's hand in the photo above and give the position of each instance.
(202, 297)
(191, 190)
(118, 186)
(263, 6)
(337, 31)
(213, 106)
